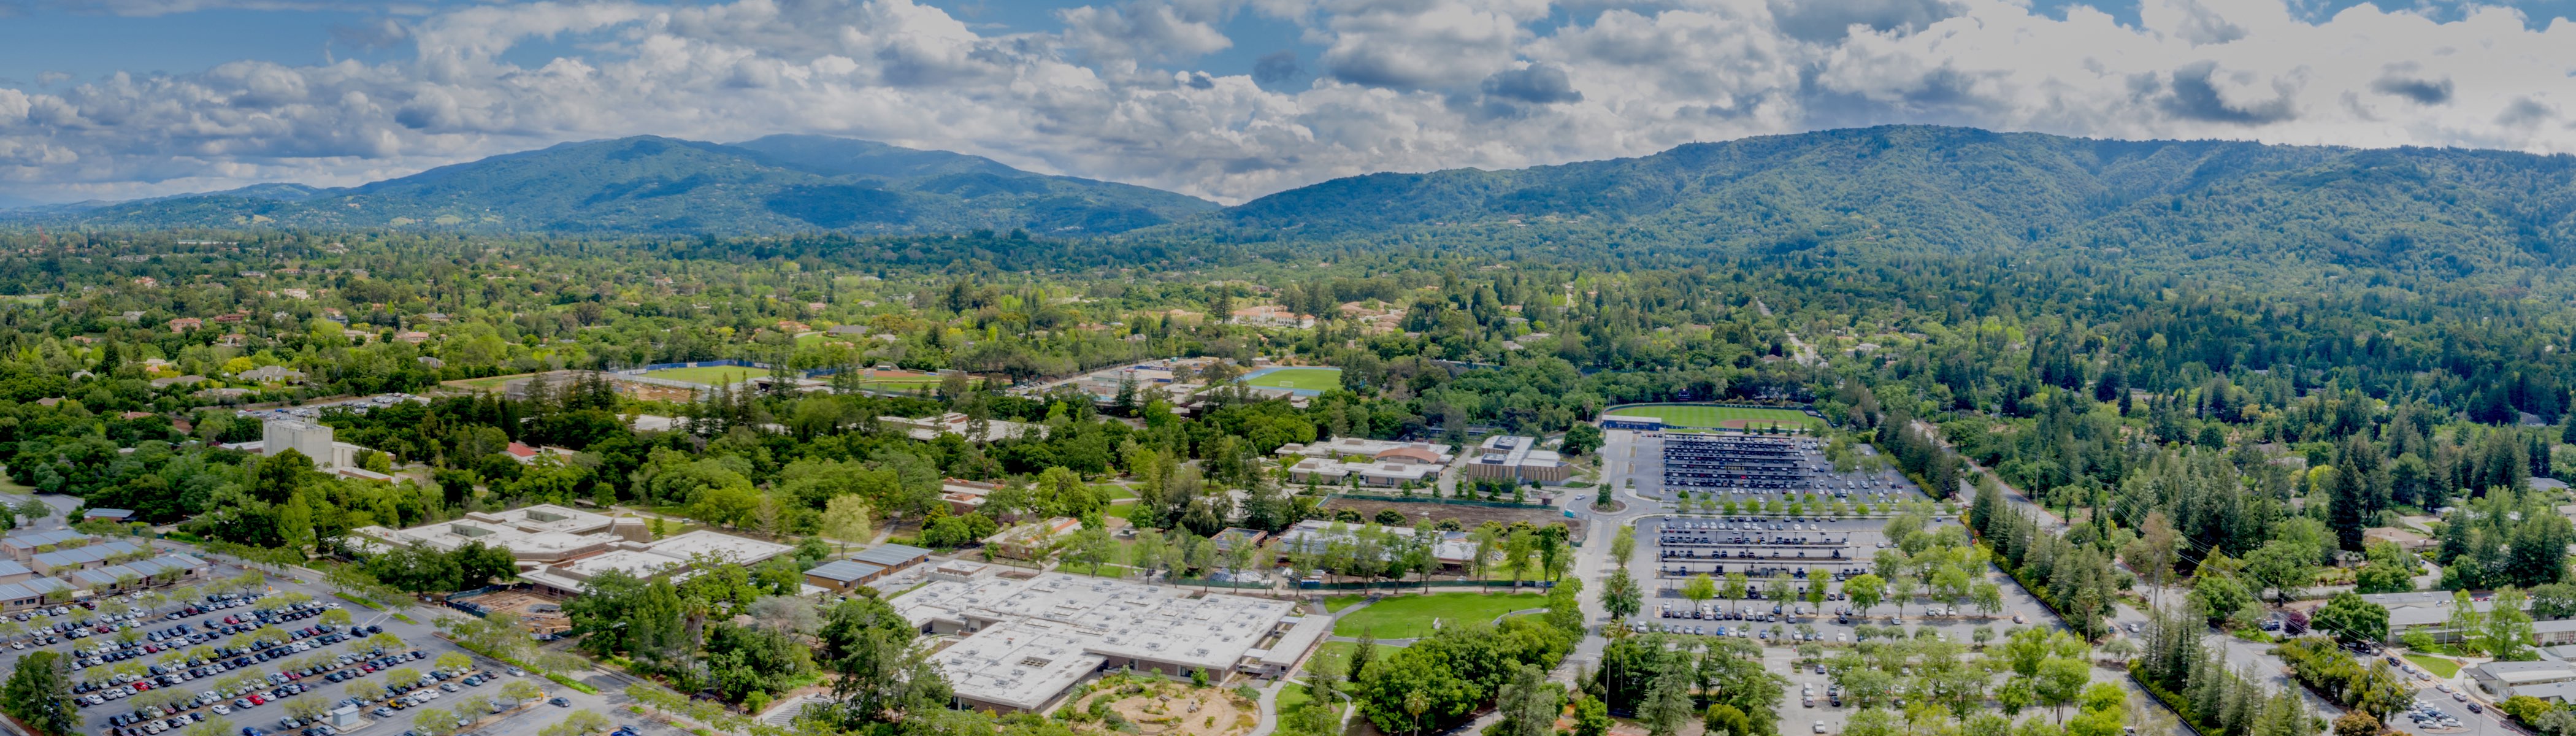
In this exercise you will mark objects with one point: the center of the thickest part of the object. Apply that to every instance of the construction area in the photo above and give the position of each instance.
(541, 615)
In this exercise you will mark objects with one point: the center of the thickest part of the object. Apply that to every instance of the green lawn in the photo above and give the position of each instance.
(1410, 616)
(1333, 657)
(1112, 491)
(709, 375)
(1311, 379)
(2442, 668)
(1712, 417)
(1335, 603)
(1292, 698)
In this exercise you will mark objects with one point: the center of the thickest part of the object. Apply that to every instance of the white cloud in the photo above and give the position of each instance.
(1404, 85)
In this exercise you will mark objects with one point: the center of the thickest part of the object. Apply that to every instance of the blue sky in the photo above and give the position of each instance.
(1226, 99)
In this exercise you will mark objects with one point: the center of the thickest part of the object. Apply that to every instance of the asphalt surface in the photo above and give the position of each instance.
(421, 636)
(1631, 465)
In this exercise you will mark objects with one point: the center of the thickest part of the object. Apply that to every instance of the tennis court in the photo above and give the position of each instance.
(1716, 417)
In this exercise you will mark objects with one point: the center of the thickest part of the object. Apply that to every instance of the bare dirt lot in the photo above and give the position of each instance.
(1175, 709)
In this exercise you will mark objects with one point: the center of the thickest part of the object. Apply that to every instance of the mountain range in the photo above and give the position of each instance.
(1927, 187)
(650, 184)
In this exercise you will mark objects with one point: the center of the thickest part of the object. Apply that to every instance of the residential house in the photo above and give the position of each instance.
(272, 374)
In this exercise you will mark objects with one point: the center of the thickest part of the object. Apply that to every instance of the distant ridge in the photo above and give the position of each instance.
(650, 184)
(1964, 189)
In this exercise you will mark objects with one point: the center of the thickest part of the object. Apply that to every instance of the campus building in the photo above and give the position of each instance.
(865, 567)
(1378, 463)
(62, 565)
(930, 429)
(1511, 457)
(1025, 640)
(2548, 680)
(1313, 536)
(560, 548)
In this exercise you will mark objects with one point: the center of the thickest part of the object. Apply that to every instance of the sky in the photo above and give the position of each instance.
(1225, 99)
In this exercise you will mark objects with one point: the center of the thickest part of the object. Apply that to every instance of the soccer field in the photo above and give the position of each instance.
(1306, 379)
(1713, 417)
(712, 375)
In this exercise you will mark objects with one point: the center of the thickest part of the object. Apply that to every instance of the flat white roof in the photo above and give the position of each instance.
(739, 550)
(1083, 616)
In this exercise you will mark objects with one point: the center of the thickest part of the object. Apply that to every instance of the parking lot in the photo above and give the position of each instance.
(1730, 476)
(1688, 538)
(310, 661)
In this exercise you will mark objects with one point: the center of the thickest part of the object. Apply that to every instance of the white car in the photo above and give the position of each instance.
(222, 710)
(1820, 727)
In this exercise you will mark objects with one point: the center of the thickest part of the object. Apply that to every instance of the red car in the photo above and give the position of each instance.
(257, 699)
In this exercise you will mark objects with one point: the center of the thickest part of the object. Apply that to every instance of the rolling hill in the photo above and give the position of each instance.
(1964, 189)
(651, 184)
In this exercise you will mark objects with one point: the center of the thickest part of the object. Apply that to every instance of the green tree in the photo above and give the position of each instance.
(2282, 566)
(1668, 704)
(2060, 681)
(39, 694)
(2508, 633)
(1866, 591)
(1699, 589)
(1620, 595)
(2350, 618)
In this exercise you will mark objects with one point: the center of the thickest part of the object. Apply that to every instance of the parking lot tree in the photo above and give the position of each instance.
(368, 690)
(1988, 597)
(1699, 588)
(1868, 686)
(1623, 544)
(1865, 591)
(335, 617)
(401, 676)
(38, 694)
(521, 690)
(1871, 721)
(1950, 584)
(2061, 680)
(1780, 589)
(432, 721)
(1900, 590)
(305, 709)
(1737, 586)
(454, 662)
(212, 726)
(578, 723)
(1817, 582)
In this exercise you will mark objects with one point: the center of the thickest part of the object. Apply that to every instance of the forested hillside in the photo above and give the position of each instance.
(650, 184)
(1956, 189)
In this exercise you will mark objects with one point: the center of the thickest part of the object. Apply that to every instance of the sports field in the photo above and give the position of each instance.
(1714, 417)
(1303, 379)
(711, 375)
